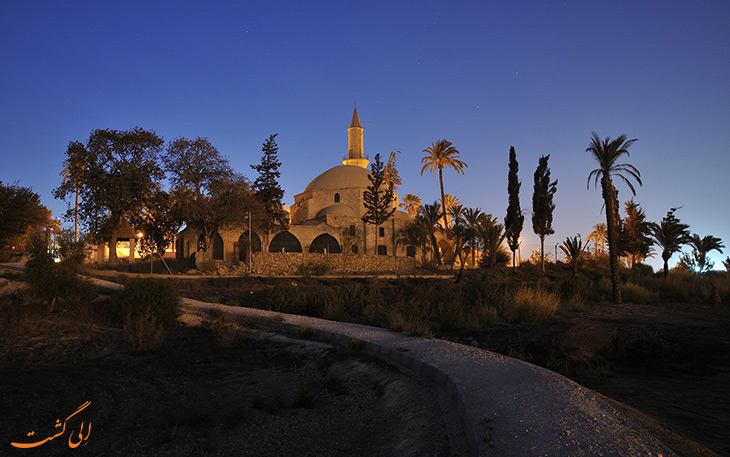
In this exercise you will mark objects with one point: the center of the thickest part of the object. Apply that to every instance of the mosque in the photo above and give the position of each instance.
(325, 218)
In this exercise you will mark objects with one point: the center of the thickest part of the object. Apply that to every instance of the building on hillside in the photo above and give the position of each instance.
(329, 209)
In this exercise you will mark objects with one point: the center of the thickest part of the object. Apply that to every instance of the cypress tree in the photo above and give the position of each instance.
(542, 205)
(514, 219)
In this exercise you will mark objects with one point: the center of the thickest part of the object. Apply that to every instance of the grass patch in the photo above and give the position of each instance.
(531, 306)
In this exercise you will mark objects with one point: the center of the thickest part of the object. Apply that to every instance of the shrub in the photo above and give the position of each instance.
(146, 306)
(531, 306)
(223, 328)
(50, 281)
(482, 316)
(634, 293)
(284, 298)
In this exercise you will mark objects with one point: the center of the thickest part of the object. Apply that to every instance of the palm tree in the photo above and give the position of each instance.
(607, 152)
(70, 174)
(451, 201)
(598, 237)
(429, 217)
(492, 235)
(411, 203)
(573, 249)
(472, 216)
(442, 154)
(670, 235)
(701, 247)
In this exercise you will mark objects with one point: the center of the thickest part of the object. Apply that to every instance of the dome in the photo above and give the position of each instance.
(340, 177)
(337, 209)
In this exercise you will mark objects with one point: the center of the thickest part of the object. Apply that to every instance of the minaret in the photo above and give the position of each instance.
(355, 154)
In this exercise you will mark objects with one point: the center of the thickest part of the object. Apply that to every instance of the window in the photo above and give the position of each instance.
(382, 250)
(337, 198)
(410, 251)
(354, 249)
(353, 231)
(382, 231)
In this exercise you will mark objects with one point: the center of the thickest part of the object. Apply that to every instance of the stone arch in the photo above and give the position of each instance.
(286, 241)
(325, 241)
(217, 247)
(243, 245)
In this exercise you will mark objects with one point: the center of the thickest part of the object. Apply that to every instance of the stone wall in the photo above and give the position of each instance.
(294, 263)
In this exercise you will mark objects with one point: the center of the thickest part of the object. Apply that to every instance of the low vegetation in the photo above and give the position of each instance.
(145, 307)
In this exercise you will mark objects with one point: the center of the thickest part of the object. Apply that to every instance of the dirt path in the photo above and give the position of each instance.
(667, 366)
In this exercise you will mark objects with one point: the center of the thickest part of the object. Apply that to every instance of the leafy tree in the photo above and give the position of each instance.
(598, 237)
(411, 203)
(117, 172)
(416, 235)
(573, 249)
(514, 219)
(391, 172)
(542, 205)
(268, 190)
(440, 155)
(206, 194)
(698, 261)
(20, 213)
(378, 202)
(429, 218)
(670, 235)
(607, 153)
(636, 241)
(157, 224)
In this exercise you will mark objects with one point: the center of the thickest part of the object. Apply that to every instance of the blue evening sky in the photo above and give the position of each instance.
(486, 75)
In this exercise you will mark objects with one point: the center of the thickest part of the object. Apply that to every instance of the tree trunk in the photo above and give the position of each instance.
(666, 266)
(542, 253)
(443, 198)
(611, 222)
(76, 216)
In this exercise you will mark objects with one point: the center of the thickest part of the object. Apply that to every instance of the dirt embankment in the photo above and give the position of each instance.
(212, 389)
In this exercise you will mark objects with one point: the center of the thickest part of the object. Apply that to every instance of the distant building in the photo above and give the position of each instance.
(330, 204)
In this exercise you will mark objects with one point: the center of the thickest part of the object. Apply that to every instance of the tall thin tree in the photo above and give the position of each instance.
(607, 152)
(514, 219)
(542, 205)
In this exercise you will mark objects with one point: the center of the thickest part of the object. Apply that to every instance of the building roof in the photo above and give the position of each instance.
(338, 209)
(340, 177)
(355, 122)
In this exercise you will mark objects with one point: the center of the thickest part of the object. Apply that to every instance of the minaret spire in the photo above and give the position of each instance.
(355, 155)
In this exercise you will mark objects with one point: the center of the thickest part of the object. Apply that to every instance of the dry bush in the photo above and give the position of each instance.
(634, 293)
(226, 332)
(531, 306)
(584, 349)
(482, 316)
